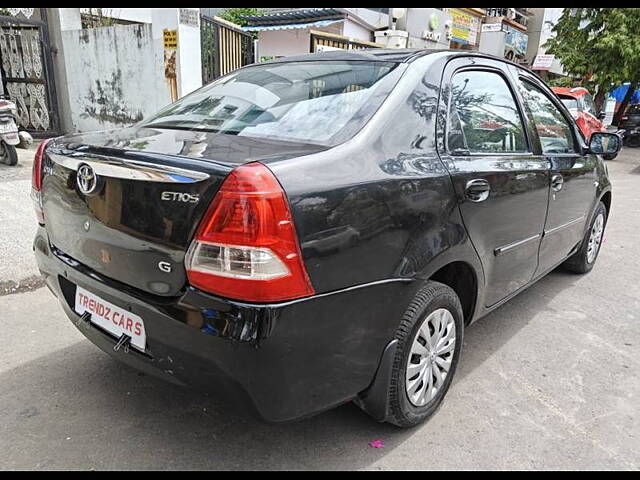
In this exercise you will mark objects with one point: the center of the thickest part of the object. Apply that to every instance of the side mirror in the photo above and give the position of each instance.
(603, 143)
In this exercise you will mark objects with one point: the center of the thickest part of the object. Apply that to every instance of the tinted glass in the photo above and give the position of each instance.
(311, 102)
(589, 106)
(553, 129)
(634, 109)
(570, 103)
(484, 116)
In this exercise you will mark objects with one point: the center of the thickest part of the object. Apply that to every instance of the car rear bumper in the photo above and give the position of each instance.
(285, 361)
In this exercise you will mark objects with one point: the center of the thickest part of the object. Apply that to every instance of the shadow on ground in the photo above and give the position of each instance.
(91, 412)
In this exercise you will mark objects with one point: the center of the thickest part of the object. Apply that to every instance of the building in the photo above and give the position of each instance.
(299, 31)
(540, 30)
(504, 33)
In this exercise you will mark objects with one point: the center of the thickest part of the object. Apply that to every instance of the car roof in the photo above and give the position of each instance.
(575, 92)
(396, 55)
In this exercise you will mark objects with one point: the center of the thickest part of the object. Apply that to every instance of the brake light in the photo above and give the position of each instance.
(246, 246)
(36, 180)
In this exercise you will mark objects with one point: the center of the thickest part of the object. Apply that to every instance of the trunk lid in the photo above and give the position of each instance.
(127, 203)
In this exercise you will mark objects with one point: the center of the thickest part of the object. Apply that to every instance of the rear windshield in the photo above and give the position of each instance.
(324, 102)
(570, 103)
(634, 109)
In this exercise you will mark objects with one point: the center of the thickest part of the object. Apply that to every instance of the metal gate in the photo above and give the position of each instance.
(224, 48)
(321, 40)
(27, 73)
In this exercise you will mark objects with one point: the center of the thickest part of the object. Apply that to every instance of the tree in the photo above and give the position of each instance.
(234, 15)
(601, 46)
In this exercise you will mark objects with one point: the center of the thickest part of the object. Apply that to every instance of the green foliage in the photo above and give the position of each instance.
(600, 45)
(234, 14)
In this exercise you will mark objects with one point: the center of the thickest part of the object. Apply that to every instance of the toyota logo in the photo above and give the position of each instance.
(86, 179)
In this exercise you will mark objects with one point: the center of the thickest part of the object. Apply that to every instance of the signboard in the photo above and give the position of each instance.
(464, 28)
(543, 62)
(492, 27)
(190, 17)
(516, 42)
(170, 39)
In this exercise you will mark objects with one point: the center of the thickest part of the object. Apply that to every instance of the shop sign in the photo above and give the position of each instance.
(465, 27)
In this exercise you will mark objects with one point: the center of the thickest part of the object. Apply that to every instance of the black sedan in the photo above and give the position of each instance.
(320, 229)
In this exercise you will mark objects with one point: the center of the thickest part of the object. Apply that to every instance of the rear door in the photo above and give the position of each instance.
(573, 175)
(502, 187)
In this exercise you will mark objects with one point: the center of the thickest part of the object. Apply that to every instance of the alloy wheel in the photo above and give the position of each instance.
(595, 238)
(430, 357)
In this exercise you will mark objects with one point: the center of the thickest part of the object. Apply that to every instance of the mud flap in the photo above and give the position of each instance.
(375, 399)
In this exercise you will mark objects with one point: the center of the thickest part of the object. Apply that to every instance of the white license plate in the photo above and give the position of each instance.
(8, 127)
(113, 319)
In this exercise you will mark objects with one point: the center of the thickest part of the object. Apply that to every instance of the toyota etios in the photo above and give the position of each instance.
(320, 229)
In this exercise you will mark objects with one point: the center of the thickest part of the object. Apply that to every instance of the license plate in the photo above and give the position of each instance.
(8, 127)
(112, 318)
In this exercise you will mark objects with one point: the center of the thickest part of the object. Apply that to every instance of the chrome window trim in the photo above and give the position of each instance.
(129, 169)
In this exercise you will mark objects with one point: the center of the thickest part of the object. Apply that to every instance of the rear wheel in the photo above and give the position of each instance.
(585, 258)
(8, 154)
(429, 343)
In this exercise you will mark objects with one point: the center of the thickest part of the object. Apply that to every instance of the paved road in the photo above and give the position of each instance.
(17, 218)
(550, 380)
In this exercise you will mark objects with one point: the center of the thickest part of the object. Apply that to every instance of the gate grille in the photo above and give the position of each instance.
(25, 67)
(320, 39)
(224, 48)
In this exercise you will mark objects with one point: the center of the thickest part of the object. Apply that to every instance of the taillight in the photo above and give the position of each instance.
(36, 181)
(246, 246)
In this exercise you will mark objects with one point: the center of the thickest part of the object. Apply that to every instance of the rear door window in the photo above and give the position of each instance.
(553, 128)
(484, 116)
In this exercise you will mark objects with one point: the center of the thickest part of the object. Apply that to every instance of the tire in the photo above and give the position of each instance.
(430, 302)
(632, 141)
(584, 259)
(8, 154)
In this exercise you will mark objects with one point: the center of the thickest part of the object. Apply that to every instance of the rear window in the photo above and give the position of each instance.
(570, 103)
(324, 102)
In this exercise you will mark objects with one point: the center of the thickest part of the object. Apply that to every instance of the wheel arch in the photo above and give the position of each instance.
(462, 278)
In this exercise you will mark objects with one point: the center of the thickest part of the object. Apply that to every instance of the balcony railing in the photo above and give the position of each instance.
(518, 15)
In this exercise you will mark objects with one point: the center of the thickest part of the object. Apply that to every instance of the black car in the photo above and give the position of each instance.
(320, 229)
(631, 118)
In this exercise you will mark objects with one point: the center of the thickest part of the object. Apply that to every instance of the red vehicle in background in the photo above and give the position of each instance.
(580, 104)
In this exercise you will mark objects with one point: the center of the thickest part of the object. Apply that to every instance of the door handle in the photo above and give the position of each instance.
(556, 182)
(477, 190)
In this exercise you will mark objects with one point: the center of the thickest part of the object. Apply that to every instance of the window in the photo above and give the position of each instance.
(484, 116)
(553, 128)
(588, 105)
(322, 102)
(571, 103)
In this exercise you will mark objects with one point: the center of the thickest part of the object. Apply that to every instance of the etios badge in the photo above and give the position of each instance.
(86, 179)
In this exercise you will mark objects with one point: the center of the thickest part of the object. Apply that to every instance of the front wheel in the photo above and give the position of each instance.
(8, 154)
(429, 343)
(585, 258)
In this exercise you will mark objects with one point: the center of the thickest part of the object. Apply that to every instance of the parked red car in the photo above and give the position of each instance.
(580, 104)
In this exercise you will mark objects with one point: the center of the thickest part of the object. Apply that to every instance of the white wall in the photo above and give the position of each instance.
(114, 76)
(283, 42)
(354, 30)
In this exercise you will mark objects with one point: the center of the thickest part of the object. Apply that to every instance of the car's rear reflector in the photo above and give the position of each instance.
(36, 180)
(246, 246)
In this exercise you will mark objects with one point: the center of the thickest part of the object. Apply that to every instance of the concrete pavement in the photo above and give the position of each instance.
(548, 381)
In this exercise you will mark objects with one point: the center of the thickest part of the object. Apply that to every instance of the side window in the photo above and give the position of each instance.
(589, 106)
(554, 130)
(484, 116)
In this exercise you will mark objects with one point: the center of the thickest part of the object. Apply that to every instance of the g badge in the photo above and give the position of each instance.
(165, 267)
